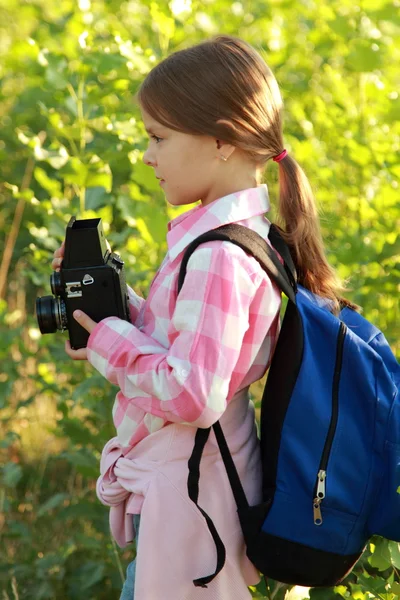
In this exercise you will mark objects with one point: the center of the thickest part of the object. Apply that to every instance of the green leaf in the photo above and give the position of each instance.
(44, 591)
(107, 63)
(9, 438)
(95, 197)
(380, 559)
(11, 474)
(99, 177)
(394, 548)
(144, 230)
(19, 530)
(162, 23)
(125, 204)
(53, 502)
(357, 593)
(75, 429)
(56, 73)
(323, 594)
(144, 176)
(395, 588)
(88, 575)
(5, 391)
(364, 57)
(342, 590)
(342, 26)
(84, 461)
(74, 171)
(375, 585)
(49, 561)
(157, 224)
(50, 184)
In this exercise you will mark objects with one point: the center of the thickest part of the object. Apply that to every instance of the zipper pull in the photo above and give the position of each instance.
(320, 496)
(321, 485)
(317, 511)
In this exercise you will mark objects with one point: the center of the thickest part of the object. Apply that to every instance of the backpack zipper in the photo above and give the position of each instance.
(323, 466)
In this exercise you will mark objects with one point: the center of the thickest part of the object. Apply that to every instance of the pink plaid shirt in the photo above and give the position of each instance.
(184, 357)
(188, 360)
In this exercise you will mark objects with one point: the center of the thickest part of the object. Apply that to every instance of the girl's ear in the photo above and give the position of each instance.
(227, 149)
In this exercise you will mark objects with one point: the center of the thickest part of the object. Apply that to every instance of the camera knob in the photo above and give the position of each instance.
(118, 261)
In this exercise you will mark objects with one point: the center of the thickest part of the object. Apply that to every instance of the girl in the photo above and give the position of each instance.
(213, 114)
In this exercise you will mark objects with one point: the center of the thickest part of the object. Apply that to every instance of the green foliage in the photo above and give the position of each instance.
(71, 143)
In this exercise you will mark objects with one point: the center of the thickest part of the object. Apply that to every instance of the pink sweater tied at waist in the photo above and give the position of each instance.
(152, 480)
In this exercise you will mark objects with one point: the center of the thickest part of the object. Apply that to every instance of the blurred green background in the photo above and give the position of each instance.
(71, 143)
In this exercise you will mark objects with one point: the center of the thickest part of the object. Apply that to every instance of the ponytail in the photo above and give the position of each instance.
(301, 231)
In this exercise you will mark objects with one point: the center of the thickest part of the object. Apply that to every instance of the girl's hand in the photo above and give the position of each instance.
(58, 257)
(88, 324)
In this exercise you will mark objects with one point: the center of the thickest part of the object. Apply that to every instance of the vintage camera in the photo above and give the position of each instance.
(91, 278)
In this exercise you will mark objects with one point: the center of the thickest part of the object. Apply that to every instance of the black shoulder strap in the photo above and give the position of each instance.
(252, 243)
(277, 241)
(193, 491)
(285, 277)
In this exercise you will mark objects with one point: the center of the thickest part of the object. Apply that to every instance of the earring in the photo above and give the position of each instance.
(223, 157)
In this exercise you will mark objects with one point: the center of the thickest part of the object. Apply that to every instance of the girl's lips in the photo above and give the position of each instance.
(162, 182)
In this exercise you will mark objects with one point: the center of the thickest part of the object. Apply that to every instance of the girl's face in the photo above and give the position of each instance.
(189, 167)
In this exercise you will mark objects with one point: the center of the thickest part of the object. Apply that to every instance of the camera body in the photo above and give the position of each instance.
(91, 278)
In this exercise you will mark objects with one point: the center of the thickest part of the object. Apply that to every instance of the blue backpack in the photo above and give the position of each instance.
(329, 435)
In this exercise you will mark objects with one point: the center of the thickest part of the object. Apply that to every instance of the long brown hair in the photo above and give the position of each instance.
(224, 89)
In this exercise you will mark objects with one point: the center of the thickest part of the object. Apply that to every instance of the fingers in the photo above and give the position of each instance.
(80, 354)
(56, 264)
(89, 325)
(60, 251)
(83, 319)
(58, 257)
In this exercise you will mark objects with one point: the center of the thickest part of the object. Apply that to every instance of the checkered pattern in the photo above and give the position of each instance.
(185, 356)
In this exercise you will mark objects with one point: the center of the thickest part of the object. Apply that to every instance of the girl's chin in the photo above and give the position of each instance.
(178, 199)
(175, 201)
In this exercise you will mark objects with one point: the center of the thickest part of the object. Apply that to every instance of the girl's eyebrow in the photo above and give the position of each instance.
(157, 127)
(150, 130)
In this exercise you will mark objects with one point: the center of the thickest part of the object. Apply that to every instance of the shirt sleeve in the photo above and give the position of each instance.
(135, 304)
(188, 381)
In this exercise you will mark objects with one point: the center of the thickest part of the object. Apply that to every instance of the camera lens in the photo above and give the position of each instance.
(55, 282)
(51, 314)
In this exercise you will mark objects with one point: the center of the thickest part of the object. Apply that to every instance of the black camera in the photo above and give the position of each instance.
(91, 278)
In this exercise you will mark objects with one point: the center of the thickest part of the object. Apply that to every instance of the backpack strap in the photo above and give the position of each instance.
(277, 241)
(285, 278)
(193, 491)
(252, 243)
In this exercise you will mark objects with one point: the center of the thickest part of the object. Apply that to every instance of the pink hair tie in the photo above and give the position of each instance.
(280, 156)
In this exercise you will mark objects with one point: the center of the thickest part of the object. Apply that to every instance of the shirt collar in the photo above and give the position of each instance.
(229, 209)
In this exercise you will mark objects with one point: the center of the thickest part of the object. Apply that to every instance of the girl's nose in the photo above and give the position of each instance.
(148, 159)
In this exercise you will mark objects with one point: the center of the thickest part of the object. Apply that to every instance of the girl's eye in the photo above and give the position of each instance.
(157, 139)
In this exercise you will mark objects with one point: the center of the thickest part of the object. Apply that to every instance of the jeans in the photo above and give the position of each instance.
(128, 589)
